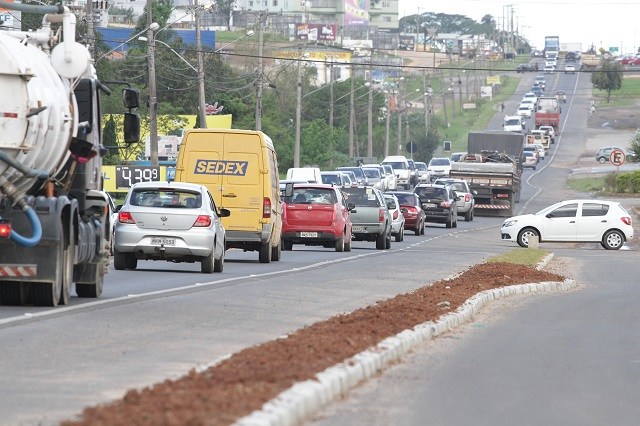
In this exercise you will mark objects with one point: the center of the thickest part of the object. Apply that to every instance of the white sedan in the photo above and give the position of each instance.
(524, 111)
(595, 221)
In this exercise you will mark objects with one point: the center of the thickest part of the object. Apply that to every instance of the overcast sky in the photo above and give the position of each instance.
(603, 23)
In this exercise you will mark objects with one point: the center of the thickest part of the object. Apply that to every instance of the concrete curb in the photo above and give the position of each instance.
(303, 399)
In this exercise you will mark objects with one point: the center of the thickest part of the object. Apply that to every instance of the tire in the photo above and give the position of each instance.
(449, 222)
(287, 245)
(13, 293)
(264, 255)
(67, 269)
(602, 160)
(422, 230)
(387, 242)
(339, 244)
(347, 245)
(276, 252)
(206, 265)
(400, 235)
(218, 264)
(381, 240)
(525, 234)
(119, 261)
(132, 261)
(455, 221)
(468, 215)
(418, 231)
(613, 239)
(50, 293)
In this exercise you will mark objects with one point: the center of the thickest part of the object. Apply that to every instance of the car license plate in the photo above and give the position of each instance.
(430, 205)
(357, 229)
(163, 241)
(309, 234)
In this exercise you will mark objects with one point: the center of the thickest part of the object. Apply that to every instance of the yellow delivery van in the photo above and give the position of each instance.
(240, 168)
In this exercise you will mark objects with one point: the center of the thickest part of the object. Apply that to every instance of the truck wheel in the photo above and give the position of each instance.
(381, 240)
(613, 240)
(66, 269)
(276, 252)
(50, 293)
(206, 265)
(45, 294)
(525, 234)
(340, 244)
(13, 293)
(119, 261)
(265, 252)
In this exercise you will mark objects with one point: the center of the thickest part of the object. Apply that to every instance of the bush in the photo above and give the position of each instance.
(628, 182)
(611, 182)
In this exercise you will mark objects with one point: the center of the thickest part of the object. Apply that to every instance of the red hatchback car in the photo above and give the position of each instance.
(316, 215)
(412, 211)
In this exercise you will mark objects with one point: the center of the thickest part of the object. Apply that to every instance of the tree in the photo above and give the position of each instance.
(609, 78)
(109, 140)
(635, 147)
(225, 7)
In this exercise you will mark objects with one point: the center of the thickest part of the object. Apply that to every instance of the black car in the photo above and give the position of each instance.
(525, 67)
(438, 203)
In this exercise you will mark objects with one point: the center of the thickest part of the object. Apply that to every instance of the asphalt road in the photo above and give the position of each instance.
(164, 319)
(561, 359)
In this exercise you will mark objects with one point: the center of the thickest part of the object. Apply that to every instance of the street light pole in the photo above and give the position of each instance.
(261, 19)
(296, 147)
(202, 113)
(352, 112)
(370, 113)
(153, 107)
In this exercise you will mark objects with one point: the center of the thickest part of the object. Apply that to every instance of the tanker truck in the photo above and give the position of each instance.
(54, 226)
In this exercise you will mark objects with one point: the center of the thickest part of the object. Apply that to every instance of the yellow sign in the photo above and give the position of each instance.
(493, 79)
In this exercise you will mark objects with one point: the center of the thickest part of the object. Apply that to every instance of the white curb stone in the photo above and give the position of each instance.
(300, 401)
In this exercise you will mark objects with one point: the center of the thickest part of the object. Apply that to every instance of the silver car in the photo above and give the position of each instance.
(397, 223)
(176, 222)
(466, 203)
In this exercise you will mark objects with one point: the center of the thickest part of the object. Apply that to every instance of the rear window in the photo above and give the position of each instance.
(331, 179)
(361, 197)
(431, 192)
(407, 199)
(398, 165)
(312, 196)
(439, 162)
(158, 197)
(594, 209)
(356, 171)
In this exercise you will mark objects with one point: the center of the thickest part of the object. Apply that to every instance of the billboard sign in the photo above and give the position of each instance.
(315, 32)
(356, 12)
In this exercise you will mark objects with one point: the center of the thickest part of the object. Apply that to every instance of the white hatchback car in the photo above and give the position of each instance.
(397, 224)
(595, 221)
(524, 111)
(175, 222)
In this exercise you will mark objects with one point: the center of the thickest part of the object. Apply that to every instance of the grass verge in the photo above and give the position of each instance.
(528, 257)
(588, 184)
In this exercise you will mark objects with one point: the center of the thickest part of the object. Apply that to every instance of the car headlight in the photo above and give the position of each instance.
(509, 223)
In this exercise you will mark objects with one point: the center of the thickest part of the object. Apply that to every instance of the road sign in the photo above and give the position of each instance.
(617, 157)
(412, 147)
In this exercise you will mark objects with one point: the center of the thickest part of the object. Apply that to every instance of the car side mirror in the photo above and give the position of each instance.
(351, 206)
(549, 215)
(288, 189)
(457, 198)
(391, 205)
(404, 211)
(224, 212)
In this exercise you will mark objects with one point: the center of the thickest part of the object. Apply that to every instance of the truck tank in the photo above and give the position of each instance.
(38, 113)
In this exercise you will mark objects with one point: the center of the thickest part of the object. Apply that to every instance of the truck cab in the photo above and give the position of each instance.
(514, 123)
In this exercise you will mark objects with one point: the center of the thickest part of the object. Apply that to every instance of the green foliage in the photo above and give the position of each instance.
(529, 257)
(611, 182)
(629, 182)
(609, 78)
(588, 184)
(634, 145)
(109, 140)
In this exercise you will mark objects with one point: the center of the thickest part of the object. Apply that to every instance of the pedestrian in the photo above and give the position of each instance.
(592, 110)
(502, 106)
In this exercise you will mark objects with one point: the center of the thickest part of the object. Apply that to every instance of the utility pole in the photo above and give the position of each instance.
(91, 43)
(153, 101)
(352, 111)
(331, 106)
(426, 102)
(261, 17)
(202, 107)
(296, 147)
(444, 101)
(370, 111)
(398, 108)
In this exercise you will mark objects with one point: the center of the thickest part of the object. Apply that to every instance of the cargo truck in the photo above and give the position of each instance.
(548, 112)
(493, 168)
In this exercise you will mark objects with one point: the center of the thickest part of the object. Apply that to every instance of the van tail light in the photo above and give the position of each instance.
(5, 229)
(125, 217)
(381, 218)
(203, 221)
(626, 220)
(467, 198)
(266, 208)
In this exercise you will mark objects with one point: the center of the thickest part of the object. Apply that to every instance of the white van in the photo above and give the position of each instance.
(307, 174)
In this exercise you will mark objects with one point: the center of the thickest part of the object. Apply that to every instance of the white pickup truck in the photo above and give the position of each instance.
(513, 123)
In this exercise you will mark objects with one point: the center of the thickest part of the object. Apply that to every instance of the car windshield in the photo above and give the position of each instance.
(356, 171)
(372, 173)
(439, 162)
(311, 196)
(331, 179)
(421, 166)
(159, 197)
(431, 192)
(364, 197)
(399, 165)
